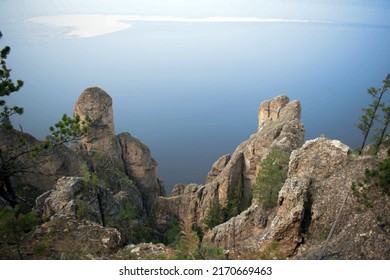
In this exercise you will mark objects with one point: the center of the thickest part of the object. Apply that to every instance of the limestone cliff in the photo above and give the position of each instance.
(319, 180)
(124, 186)
(279, 127)
(93, 219)
(316, 192)
(126, 153)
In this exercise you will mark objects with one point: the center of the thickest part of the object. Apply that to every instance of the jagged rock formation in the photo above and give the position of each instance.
(319, 179)
(122, 194)
(279, 127)
(127, 154)
(320, 175)
(217, 168)
(124, 162)
(97, 105)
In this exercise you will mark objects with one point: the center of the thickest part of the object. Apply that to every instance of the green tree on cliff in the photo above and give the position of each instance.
(371, 115)
(270, 179)
(66, 130)
(7, 87)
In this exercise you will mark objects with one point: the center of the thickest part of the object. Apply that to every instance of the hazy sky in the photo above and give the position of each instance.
(363, 11)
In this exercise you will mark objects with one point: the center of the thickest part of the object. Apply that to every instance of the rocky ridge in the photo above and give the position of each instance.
(279, 127)
(319, 179)
(101, 177)
(129, 155)
(104, 181)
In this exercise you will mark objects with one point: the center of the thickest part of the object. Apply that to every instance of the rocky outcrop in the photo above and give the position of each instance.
(217, 168)
(279, 127)
(127, 154)
(73, 198)
(319, 180)
(70, 239)
(95, 104)
(122, 161)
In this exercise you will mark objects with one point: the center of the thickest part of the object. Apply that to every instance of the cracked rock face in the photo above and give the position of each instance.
(71, 239)
(72, 198)
(278, 109)
(280, 127)
(319, 179)
(96, 104)
(125, 152)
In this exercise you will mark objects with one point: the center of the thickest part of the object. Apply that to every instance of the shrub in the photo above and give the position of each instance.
(380, 176)
(214, 215)
(270, 179)
(173, 233)
(14, 224)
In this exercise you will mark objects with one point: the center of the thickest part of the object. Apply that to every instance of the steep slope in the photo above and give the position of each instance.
(127, 154)
(320, 177)
(279, 127)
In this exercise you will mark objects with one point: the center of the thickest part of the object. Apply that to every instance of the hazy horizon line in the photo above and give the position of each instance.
(94, 25)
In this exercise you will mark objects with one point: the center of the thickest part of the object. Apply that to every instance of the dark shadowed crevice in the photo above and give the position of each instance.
(307, 215)
(306, 220)
(123, 151)
(101, 210)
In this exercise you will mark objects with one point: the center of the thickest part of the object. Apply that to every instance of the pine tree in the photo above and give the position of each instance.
(381, 133)
(367, 120)
(68, 129)
(214, 215)
(271, 177)
(7, 87)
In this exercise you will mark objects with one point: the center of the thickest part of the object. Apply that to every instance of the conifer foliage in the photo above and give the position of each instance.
(270, 179)
(68, 129)
(376, 112)
(7, 87)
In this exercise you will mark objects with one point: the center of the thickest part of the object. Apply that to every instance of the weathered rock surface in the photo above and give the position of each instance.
(96, 104)
(72, 198)
(70, 239)
(320, 176)
(319, 179)
(217, 168)
(126, 153)
(144, 251)
(279, 127)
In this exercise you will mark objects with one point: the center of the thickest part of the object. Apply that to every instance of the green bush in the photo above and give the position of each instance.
(380, 176)
(270, 179)
(173, 233)
(215, 214)
(42, 248)
(375, 178)
(272, 252)
(81, 209)
(14, 224)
